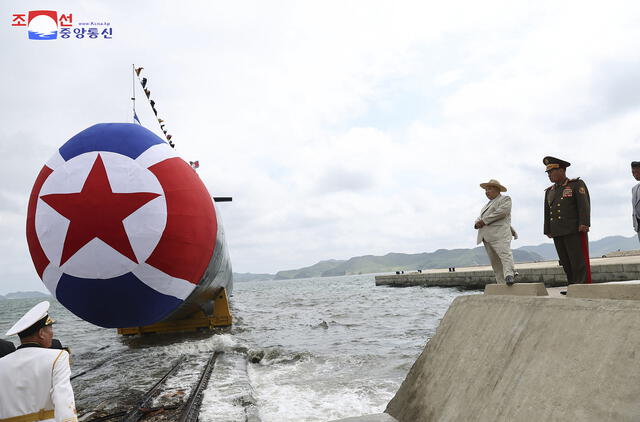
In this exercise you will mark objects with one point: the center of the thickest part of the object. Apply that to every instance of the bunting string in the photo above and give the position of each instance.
(147, 92)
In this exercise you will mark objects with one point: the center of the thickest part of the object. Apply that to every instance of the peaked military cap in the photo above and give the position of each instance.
(554, 163)
(635, 164)
(36, 318)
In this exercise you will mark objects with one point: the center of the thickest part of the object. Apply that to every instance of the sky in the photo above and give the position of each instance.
(340, 128)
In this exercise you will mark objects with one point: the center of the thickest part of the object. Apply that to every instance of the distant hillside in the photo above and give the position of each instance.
(26, 295)
(321, 269)
(2, 298)
(596, 248)
(240, 277)
(442, 258)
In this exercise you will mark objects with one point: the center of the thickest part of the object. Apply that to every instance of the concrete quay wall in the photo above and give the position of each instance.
(518, 358)
(549, 273)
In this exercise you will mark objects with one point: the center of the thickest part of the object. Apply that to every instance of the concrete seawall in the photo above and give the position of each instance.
(515, 358)
(548, 272)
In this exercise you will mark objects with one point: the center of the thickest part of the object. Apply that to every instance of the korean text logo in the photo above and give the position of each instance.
(51, 25)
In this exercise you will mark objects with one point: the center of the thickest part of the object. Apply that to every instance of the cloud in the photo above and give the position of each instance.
(337, 179)
(342, 129)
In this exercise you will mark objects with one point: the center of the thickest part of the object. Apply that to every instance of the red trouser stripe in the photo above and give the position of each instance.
(585, 253)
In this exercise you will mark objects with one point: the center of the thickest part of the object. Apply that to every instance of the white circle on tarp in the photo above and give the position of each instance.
(97, 259)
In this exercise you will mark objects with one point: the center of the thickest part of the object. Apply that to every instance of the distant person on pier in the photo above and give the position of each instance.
(567, 217)
(34, 380)
(6, 347)
(495, 231)
(635, 196)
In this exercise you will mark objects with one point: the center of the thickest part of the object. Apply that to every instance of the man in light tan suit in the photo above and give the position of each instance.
(495, 231)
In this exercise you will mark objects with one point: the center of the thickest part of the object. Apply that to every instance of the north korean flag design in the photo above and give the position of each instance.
(120, 229)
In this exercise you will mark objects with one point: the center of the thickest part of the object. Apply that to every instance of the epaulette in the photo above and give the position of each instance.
(550, 187)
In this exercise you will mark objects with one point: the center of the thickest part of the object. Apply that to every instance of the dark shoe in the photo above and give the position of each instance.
(563, 292)
(509, 280)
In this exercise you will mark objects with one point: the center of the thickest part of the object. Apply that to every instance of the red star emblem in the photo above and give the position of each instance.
(97, 211)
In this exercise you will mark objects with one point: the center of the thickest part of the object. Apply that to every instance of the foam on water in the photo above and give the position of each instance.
(302, 350)
(308, 399)
(229, 394)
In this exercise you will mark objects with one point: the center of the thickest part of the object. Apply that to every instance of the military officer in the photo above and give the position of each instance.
(34, 380)
(567, 211)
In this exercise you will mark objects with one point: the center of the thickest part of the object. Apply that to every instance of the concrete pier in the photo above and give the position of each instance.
(516, 358)
(378, 417)
(617, 268)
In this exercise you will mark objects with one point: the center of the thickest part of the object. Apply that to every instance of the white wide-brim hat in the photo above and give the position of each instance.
(494, 183)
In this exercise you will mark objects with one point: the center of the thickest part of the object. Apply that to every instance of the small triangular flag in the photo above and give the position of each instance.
(135, 117)
(138, 70)
(144, 82)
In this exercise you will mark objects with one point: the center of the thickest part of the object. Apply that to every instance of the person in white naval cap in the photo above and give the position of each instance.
(34, 380)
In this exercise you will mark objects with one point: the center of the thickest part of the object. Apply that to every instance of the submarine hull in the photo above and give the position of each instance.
(217, 276)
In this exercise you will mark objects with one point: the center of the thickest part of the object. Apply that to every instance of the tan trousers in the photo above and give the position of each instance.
(501, 258)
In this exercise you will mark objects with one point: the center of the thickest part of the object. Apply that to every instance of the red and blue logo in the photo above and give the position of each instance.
(120, 229)
(43, 25)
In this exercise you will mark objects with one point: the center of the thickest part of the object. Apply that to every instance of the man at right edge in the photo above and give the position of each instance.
(567, 210)
(635, 196)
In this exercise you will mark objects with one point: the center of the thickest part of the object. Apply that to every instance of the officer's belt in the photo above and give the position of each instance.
(41, 415)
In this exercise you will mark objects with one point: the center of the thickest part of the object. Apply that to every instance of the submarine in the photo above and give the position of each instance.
(124, 234)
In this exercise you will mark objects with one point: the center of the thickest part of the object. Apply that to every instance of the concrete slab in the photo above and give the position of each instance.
(378, 417)
(619, 291)
(554, 292)
(523, 359)
(518, 289)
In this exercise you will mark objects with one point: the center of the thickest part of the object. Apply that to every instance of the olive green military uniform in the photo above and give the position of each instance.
(567, 206)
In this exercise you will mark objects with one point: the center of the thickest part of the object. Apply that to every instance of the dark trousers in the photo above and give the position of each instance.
(572, 259)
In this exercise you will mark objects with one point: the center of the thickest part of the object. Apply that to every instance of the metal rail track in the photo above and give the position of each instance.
(191, 409)
(93, 368)
(136, 413)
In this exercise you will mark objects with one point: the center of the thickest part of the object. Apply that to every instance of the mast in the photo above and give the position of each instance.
(133, 91)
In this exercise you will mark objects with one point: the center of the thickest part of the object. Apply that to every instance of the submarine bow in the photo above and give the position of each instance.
(123, 232)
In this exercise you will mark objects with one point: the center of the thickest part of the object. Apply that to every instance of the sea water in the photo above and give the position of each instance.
(302, 350)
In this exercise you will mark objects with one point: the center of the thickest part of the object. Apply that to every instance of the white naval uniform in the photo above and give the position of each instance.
(496, 236)
(36, 378)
